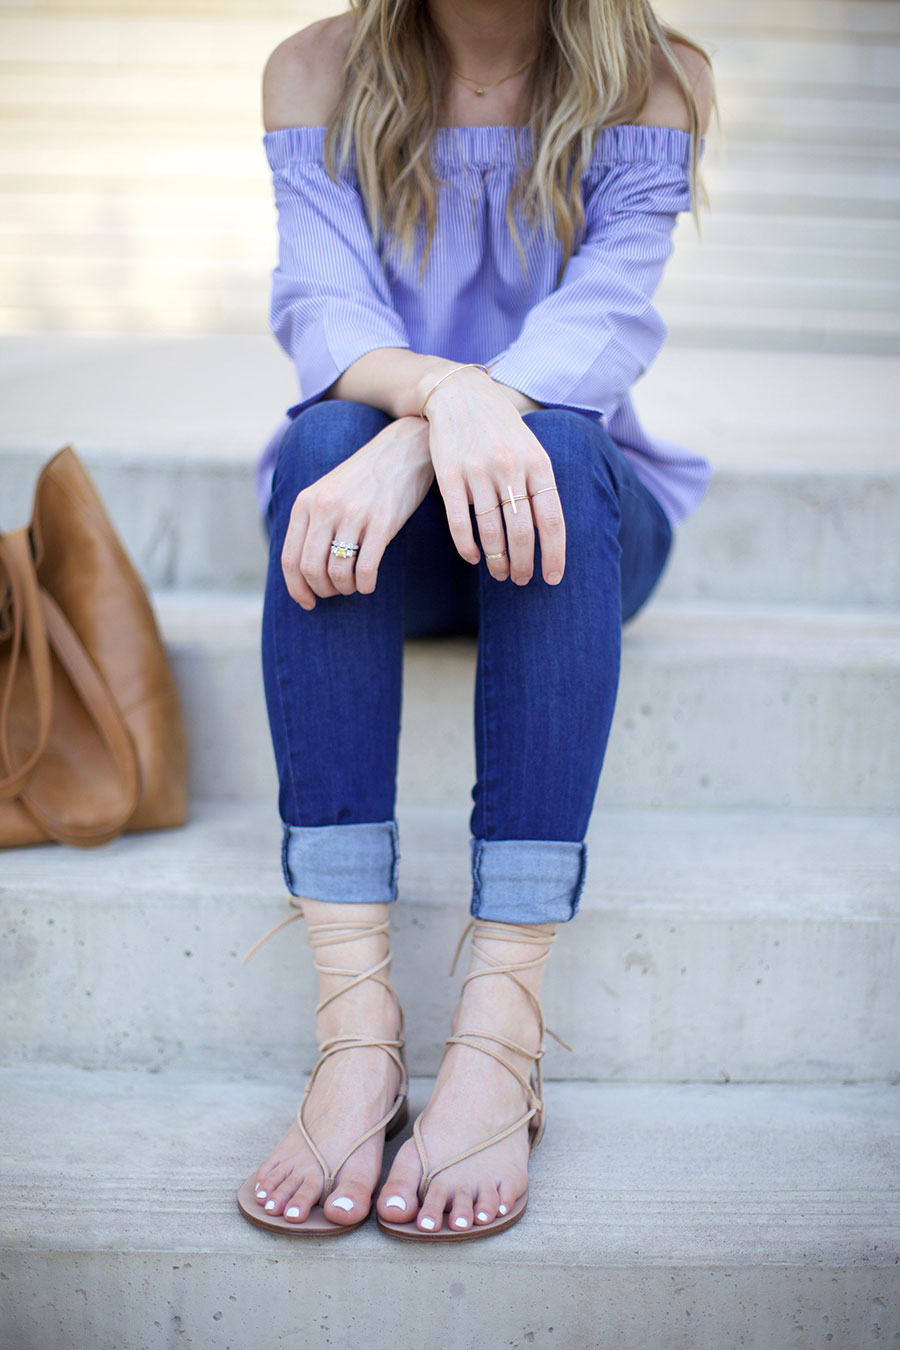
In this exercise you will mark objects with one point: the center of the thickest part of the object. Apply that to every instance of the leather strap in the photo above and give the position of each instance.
(476, 1039)
(47, 629)
(28, 629)
(330, 935)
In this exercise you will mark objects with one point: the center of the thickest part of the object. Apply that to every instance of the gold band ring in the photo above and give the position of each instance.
(494, 556)
(518, 497)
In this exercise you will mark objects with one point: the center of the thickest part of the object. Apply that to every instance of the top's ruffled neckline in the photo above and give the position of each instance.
(485, 146)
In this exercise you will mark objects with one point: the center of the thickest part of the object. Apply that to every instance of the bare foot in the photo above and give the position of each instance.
(352, 1090)
(474, 1098)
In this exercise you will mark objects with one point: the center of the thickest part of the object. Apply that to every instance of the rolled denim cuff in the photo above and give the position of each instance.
(344, 864)
(527, 880)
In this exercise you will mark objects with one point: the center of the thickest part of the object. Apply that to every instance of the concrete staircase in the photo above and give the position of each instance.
(720, 1166)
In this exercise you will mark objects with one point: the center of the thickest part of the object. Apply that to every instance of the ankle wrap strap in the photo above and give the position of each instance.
(485, 1040)
(333, 934)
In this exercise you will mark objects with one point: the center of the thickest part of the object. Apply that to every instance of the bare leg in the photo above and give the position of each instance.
(352, 1091)
(475, 1097)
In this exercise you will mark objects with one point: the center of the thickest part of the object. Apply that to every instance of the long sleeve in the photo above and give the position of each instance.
(585, 344)
(330, 301)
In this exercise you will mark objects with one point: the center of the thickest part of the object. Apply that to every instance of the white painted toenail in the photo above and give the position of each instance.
(461, 1222)
(292, 1213)
(428, 1223)
(395, 1202)
(261, 1195)
(343, 1203)
(270, 1204)
(481, 1216)
(503, 1209)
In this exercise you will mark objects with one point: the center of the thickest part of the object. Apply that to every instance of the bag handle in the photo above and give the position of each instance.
(28, 626)
(59, 635)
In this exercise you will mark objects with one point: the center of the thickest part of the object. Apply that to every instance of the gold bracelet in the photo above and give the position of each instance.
(470, 365)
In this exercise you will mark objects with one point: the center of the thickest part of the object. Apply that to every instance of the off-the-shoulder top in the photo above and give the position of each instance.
(581, 344)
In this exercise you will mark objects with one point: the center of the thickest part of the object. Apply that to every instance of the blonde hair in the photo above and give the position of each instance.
(593, 70)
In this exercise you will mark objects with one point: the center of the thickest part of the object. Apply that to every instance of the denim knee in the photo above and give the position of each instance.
(582, 455)
(321, 437)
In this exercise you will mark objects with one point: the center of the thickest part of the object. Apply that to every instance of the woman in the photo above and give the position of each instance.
(466, 318)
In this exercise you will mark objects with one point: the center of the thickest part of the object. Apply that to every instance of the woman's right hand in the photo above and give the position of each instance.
(365, 500)
(481, 450)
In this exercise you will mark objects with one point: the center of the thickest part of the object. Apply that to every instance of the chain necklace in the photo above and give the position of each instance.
(479, 87)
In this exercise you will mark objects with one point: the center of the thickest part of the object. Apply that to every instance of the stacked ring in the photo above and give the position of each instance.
(341, 549)
(515, 497)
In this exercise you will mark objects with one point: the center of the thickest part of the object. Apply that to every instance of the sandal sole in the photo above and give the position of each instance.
(315, 1224)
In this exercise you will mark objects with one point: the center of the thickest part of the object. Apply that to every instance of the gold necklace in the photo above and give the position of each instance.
(479, 88)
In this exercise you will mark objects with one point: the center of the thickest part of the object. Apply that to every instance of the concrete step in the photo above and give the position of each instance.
(770, 1211)
(89, 45)
(719, 705)
(771, 532)
(835, 18)
(166, 129)
(710, 946)
(803, 505)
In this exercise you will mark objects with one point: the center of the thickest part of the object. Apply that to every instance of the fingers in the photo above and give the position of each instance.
(519, 534)
(547, 512)
(491, 532)
(311, 568)
(456, 504)
(291, 553)
(507, 528)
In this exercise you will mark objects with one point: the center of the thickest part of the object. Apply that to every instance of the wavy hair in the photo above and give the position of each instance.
(593, 70)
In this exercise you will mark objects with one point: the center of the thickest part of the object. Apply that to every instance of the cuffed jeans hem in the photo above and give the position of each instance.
(342, 864)
(527, 880)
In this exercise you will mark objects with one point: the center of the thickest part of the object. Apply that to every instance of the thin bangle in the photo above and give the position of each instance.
(469, 365)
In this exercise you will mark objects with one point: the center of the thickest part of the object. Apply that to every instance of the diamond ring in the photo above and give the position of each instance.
(341, 549)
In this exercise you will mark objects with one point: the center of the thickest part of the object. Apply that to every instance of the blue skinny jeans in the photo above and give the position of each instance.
(546, 682)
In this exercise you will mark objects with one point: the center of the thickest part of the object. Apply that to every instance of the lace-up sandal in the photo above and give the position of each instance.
(327, 935)
(484, 1041)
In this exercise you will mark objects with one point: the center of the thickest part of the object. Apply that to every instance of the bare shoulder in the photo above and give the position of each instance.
(304, 76)
(665, 105)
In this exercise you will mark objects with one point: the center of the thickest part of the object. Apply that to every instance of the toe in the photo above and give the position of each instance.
(486, 1203)
(398, 1199)
(348, 1203)
(279, 1198)
(461, 1209)
(298, 1205)
(268, 1186)
(431, 1215)
(508, 1193)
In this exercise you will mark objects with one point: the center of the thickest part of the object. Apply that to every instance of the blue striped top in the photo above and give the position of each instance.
(582, 344)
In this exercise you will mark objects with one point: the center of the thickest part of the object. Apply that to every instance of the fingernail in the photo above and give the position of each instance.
(460, 1222)
(503, 1210)
(554, 578)
(481, 1216)
(270, 1204)
(395, 1202)
(343, 1203)
(292, 1213)
(427, 1223)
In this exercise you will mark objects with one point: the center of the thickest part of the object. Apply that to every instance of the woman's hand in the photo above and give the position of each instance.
(481, 449)
(365, 500)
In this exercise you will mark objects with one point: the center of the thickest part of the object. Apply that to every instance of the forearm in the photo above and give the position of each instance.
(398, 381)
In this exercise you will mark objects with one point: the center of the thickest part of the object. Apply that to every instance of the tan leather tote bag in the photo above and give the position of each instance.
(92, 738)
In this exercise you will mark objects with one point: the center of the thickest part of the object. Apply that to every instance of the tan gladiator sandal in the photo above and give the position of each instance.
(534, 1115)
(326, 935)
